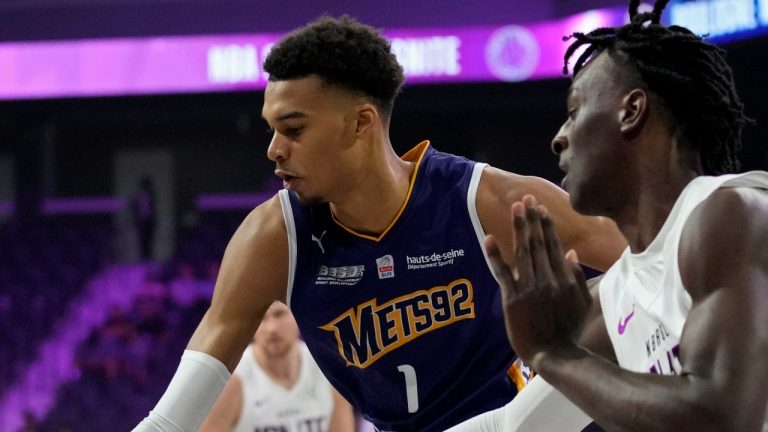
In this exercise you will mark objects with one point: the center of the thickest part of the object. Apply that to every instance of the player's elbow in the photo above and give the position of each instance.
(713, 414)
(723, 403)
(722, 421)
(737, 419)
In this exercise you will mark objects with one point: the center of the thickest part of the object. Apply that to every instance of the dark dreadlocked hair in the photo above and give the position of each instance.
(343, 52)
(689, 75)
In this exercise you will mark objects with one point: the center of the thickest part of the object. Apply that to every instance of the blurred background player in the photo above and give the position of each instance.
(278, 387)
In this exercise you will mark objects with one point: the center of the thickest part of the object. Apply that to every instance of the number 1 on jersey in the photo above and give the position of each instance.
(411, 387)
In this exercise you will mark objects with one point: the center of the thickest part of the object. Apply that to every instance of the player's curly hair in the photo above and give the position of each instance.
(690, 76)
(343, 52)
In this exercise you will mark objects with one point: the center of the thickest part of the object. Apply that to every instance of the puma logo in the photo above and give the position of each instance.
(319, 241)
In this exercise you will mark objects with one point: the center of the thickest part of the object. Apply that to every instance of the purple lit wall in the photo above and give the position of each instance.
(228, 63)
(60, 206)
(7, 208)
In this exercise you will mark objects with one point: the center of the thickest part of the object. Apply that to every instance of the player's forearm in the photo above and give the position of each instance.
(224, 335)
(190, 395)
(621, 400)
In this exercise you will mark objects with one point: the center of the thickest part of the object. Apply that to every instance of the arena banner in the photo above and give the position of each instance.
(216, 63)
(223, 63)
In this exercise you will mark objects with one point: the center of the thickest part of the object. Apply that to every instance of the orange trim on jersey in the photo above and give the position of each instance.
(515, 373)
(415, 154)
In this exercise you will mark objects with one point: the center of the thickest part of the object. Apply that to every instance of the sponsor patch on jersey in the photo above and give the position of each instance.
(436, 259)
(345, 275)
(386, 267)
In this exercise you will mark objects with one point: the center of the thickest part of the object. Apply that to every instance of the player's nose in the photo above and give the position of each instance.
(279, 148)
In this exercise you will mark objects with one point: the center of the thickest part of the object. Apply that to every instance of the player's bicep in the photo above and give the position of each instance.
(496, 193)
(718, 349)
(597, 240)
(253, 274)
(724, 268)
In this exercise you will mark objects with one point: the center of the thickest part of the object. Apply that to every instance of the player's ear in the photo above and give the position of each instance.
(367, 116)
(634, 110)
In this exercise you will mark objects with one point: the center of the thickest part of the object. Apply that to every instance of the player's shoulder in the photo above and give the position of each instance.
(264, 220)
(506, 187)
(728, 214)
(727, 205)
(725, 232)
(260, 238)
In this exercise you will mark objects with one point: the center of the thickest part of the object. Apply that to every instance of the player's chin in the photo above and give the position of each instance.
(580, 201)
(585, 203)
(309, 199)
(583, 207)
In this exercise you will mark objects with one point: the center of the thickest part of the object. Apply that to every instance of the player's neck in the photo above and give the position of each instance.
(657, 189)
(370, 205)
(282, 369)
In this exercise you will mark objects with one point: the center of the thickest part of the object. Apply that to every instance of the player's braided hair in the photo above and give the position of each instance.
(690, 76)
(343, 52)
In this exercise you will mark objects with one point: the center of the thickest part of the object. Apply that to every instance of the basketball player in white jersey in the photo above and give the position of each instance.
(277, 387)
(653, 125)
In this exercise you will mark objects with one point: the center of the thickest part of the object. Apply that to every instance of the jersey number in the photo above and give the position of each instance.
(411, 387)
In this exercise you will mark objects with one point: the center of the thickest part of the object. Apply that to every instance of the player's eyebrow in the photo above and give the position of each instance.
(287, 116)
(290, 115)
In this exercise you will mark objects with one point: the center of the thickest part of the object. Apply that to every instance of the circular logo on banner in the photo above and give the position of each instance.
(512, 53)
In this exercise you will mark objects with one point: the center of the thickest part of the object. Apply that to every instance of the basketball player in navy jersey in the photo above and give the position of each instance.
(379, 257)
(654, 123)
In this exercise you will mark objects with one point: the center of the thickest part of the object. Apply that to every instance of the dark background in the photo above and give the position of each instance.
(64, 148)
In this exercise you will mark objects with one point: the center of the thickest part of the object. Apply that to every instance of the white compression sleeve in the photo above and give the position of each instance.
(192, 392)
(539, 407)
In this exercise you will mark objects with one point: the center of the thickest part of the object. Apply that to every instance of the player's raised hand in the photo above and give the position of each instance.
(544, 294)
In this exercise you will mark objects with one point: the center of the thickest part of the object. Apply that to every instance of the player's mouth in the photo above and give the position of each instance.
(289, 179)
(274, 341)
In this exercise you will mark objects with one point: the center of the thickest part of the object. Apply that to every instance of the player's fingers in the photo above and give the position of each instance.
(578, 274)
(557, 261)
(542, 270)
(523, 264)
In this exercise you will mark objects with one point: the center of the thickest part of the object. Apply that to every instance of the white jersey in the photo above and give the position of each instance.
(269, 407)
(645, 304)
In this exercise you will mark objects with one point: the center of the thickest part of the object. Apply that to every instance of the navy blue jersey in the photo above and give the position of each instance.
(407, 325)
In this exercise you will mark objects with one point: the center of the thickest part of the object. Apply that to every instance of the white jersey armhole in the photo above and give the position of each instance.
(290, 228)
(474, 183)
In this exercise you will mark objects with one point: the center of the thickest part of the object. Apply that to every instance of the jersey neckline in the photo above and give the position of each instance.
(416, 154)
